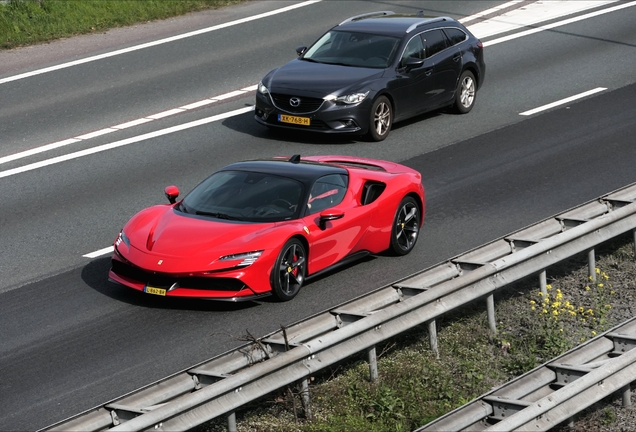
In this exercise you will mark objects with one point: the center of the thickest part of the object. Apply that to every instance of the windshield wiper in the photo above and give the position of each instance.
(337, 64)
(217, 215)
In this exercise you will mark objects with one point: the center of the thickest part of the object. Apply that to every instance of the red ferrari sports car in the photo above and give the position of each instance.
(262, 227)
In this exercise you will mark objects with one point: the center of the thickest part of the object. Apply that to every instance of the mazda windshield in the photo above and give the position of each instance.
(353, 49)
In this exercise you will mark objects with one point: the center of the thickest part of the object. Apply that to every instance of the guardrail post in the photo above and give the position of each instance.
(231, 422)
(591, 263)
(432, 337)
(305, 397)
(543, 283)
(490, 307)
(373, 364)
(627, 396)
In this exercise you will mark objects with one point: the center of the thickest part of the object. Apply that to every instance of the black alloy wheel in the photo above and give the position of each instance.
(406, 227)
(289, 270)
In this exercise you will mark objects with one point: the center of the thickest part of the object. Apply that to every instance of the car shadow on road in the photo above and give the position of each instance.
(246, 124)
(95, 275)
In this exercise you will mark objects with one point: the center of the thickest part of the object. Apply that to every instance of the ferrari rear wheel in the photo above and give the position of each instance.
(289, 270)
(406, 226)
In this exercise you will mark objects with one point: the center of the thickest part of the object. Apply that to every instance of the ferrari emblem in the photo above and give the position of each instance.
(402, 225)
(289, 269)
(160, 262)
(306, 230)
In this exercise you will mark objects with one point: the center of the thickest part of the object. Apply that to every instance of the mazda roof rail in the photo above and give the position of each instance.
(367, 15)
(425, 21)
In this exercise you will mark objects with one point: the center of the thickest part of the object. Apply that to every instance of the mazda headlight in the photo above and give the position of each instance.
(348, 99)
(247, 258)
(262, 89)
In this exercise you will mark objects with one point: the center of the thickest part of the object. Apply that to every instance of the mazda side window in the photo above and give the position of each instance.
(435, 42)
(455, 35)
(415, 48)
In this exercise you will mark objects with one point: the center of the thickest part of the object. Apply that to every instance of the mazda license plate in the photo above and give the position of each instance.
(304, 121)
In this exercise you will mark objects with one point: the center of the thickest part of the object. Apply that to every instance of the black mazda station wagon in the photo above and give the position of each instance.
(372, 70)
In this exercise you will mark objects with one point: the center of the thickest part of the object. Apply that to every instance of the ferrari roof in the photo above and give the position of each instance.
(304, 171)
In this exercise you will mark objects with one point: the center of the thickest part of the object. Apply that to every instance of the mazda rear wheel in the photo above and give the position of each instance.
(466, 93)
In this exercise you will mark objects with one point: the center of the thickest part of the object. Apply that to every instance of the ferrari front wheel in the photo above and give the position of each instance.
(406, 226)
(289, 270)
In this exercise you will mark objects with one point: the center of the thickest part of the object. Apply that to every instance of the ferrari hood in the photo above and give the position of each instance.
(163, 231)
(322, 79)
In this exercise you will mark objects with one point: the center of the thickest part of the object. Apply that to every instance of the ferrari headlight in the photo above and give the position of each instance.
(262, 89)
(122, 238)
(247, 258)
(348, 99)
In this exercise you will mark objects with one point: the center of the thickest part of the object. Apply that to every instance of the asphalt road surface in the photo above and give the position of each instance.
(69, 340)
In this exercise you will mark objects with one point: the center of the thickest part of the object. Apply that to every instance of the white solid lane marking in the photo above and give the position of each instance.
(155, 43)
(560, 23)
(100, 252)
(532, 14)
(489, 11)
(563, 101)
(166, 113)
(131, 123)
(123, 142)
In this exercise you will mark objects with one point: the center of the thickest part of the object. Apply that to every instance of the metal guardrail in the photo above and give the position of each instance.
(225, 383)
(552, 393)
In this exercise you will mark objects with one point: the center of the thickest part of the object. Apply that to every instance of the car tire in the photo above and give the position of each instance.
(289, 270)
(380, 119)
(406, 227)
(466, 93)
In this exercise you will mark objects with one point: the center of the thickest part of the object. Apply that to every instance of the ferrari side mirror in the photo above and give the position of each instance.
(301, 50)
(329, 215)
(172, 192)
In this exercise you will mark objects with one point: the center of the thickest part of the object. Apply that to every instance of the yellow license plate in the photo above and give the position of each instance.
(304, 121)
(156, 291)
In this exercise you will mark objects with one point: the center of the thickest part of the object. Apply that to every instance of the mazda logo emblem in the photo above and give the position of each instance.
(294, 101)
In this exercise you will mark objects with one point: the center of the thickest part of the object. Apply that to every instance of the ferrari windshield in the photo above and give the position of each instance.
(246, 196)
(353, 49)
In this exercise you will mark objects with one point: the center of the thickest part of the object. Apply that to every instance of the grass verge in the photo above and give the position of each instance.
(415, 387)
(25, 22)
